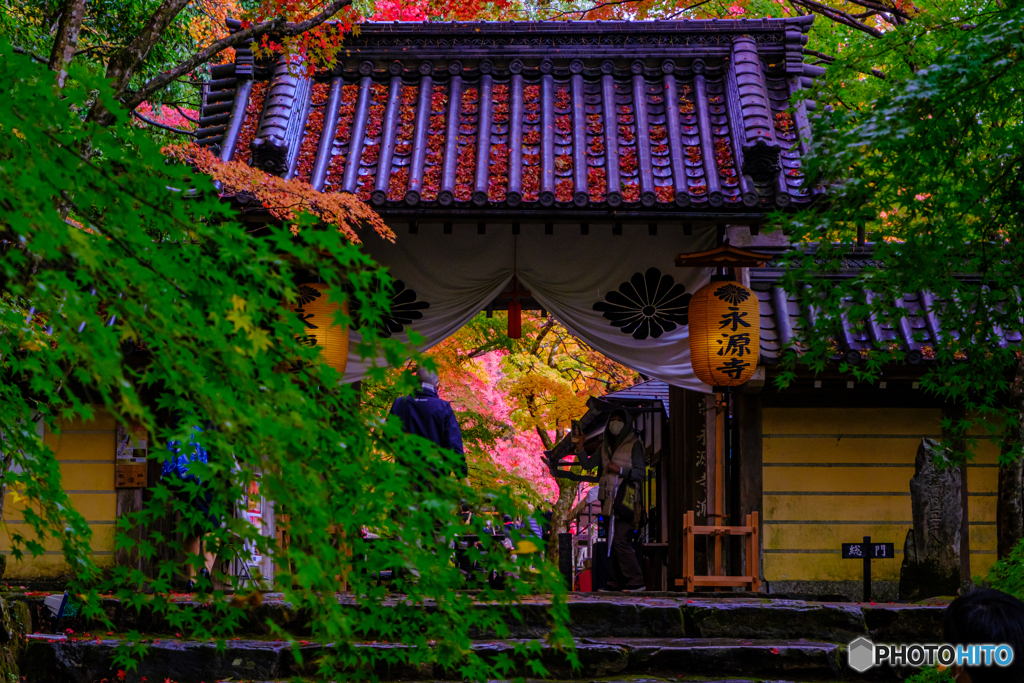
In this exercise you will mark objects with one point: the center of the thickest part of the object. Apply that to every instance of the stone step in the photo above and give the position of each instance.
(614, 679)
(59, 659)
(618, 616)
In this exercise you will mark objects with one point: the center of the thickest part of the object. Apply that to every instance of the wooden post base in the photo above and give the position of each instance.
(750, 580)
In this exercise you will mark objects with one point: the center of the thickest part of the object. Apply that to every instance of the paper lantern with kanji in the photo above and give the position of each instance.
(725, 339)
(317, 315)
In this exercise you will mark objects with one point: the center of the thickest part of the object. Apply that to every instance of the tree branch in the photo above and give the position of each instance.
(535, 351)
(124, 63)
(243, 36)
(29, 53)
(545, 438)
(828, 59)
(880, 7)
(837, 15)
(172, 129)
(184, 115)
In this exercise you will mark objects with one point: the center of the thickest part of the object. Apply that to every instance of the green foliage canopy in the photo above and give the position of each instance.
(931, 170)
(126, 284)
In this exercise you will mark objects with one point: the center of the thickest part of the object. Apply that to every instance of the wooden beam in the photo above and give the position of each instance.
(721, 530)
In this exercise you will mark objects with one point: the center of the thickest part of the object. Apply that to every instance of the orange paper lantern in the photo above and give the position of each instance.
(317, 314)
(725, 334)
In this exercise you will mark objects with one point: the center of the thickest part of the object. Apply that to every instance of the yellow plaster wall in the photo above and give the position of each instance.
(833, 476)
(85, 451)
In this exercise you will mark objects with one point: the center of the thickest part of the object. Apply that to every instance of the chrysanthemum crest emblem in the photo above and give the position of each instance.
(732, 294)
(648, 305)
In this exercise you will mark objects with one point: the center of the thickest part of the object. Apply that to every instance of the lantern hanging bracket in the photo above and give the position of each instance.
(725, 256)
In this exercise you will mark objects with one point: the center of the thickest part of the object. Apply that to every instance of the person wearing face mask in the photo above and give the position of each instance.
(622, 463)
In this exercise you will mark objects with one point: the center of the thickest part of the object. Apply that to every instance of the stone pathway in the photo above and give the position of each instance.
(670, 638)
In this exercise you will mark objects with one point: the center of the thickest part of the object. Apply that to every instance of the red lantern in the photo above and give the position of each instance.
(515, 319)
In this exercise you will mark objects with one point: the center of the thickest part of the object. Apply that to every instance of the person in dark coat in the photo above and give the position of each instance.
(425, 414)
(622, 463)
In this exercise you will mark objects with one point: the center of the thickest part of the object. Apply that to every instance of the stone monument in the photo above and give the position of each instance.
(931, 554)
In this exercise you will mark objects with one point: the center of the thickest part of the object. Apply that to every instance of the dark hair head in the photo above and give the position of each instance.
(986, 616)
(507, 518)
(465, 507)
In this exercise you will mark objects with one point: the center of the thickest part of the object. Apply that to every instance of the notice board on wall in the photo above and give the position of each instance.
(130, 458)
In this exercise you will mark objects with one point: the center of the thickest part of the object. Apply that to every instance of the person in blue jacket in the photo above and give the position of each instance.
(176, 472)
(427, 415)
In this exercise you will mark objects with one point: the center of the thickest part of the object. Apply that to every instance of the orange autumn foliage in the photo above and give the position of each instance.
(284, 199)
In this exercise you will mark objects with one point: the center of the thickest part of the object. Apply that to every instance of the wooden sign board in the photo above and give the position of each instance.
(874, 551)
(866, 552)
(130, 470)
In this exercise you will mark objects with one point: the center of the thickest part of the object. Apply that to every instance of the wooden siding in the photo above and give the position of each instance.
(85, 451)
(834, 475)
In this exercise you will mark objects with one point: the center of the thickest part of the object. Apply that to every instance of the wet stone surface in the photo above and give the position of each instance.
(63, 661)
(616, 616)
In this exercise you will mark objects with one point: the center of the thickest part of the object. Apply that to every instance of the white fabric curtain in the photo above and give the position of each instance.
(621, 294)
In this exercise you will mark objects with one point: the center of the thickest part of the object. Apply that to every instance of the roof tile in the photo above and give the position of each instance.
(578, 115)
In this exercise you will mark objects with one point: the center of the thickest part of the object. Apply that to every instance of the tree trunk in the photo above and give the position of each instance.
(559, 515)
(125, 62)
(1010, 503)
(66, 41)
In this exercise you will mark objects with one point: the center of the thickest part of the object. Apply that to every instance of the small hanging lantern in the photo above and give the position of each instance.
(515, 310)
(725, 334)
(515, 319)
(317, 314)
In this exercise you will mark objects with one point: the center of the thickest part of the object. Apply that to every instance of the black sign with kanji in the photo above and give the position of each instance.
(874, 551)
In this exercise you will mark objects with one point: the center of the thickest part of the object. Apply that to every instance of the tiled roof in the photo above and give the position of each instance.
(649, 390)
(915, 335)
(580, 116)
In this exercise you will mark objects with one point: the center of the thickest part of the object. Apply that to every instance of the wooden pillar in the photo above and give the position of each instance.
(706, 471)
(679, 496)
(751, 466)
(718, 517)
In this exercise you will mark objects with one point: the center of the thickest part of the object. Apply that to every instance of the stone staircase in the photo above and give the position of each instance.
(665, 636)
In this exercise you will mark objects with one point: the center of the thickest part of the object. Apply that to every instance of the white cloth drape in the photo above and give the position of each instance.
(459, 274)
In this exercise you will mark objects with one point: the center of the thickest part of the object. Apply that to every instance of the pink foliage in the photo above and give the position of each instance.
(399, 10)
(168, 116)
(521, 453)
